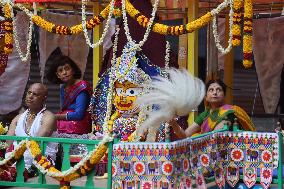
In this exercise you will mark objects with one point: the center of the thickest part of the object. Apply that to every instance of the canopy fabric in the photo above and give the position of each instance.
(268, 48)
(14, 80)
(73, 46)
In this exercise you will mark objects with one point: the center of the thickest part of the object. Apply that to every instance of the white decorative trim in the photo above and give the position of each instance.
(100, 41)
(138, 46)
(215, 29)
(111, 85)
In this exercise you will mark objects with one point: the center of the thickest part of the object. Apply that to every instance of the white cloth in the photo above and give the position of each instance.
(51, 148)
(14, 80)
(73, 46)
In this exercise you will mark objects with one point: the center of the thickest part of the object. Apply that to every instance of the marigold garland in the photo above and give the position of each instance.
(15, 155)
(247, 36)
(65, 30)
(9, 29)
(81, 169)
(238, 4)
(164, 29)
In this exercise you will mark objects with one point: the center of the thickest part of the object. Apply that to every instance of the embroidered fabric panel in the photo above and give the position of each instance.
(175, 164)
(157, 165)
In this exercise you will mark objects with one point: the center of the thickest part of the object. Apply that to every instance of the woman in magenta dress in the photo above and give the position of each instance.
(75, 97)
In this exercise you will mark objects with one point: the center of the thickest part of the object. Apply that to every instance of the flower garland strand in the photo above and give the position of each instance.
(134, 13)
(15, 155)
(106, 129)
(168, 30)
(65, 30)
(167, 66)
(8, 25)
(238, 4)
(215, 31)
(84, 24)
(80, 169)
(247, 38)
(142, 20)
(167, 56)
(23, 57)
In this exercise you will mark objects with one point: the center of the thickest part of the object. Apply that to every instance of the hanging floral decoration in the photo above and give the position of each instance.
(80, 169)
(247, 36)
(238, 5)
(117, 9)
(15, 155)
(9, 29)
(65, 30)
(164, 29)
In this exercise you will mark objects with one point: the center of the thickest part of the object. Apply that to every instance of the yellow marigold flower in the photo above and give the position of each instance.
(65, 187)
(8, 50)
(236, 30)
(98, 154)
(247, 43)
(53, 169)
(105, 12)
(238, 4)
(35, 150)
(19, 153)
(236, 42)
(7, 11)
(71, 177)
(130, 9)
(46, 164)
(247, 63)
(83, 171)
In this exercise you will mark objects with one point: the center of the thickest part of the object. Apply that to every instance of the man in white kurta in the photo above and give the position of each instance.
(36, 121)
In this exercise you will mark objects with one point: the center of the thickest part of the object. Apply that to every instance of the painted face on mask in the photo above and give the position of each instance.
(125, 95)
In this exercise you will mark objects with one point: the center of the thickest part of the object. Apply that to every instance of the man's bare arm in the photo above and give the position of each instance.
(12, 128)
(48, 124)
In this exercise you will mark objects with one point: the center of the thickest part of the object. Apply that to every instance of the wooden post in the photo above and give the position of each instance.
(192, 41)
(97, 52)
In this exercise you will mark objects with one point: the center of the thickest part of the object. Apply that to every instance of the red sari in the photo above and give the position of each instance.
(82, 126)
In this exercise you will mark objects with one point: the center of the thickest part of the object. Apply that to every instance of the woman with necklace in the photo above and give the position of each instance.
(215, 114)
(75, 97)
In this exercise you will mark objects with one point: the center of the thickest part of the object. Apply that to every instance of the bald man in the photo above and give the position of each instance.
(36, 121)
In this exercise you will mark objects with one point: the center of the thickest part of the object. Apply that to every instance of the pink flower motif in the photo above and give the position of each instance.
(266, 173)
(188, 182)
(147, 185)
(199, 181)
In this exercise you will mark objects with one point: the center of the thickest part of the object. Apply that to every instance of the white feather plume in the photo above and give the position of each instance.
(176, 96)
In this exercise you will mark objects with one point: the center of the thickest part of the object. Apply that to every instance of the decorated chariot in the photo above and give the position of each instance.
(140, 156)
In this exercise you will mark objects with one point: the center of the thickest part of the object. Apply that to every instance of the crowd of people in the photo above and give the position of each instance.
(73, 117)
